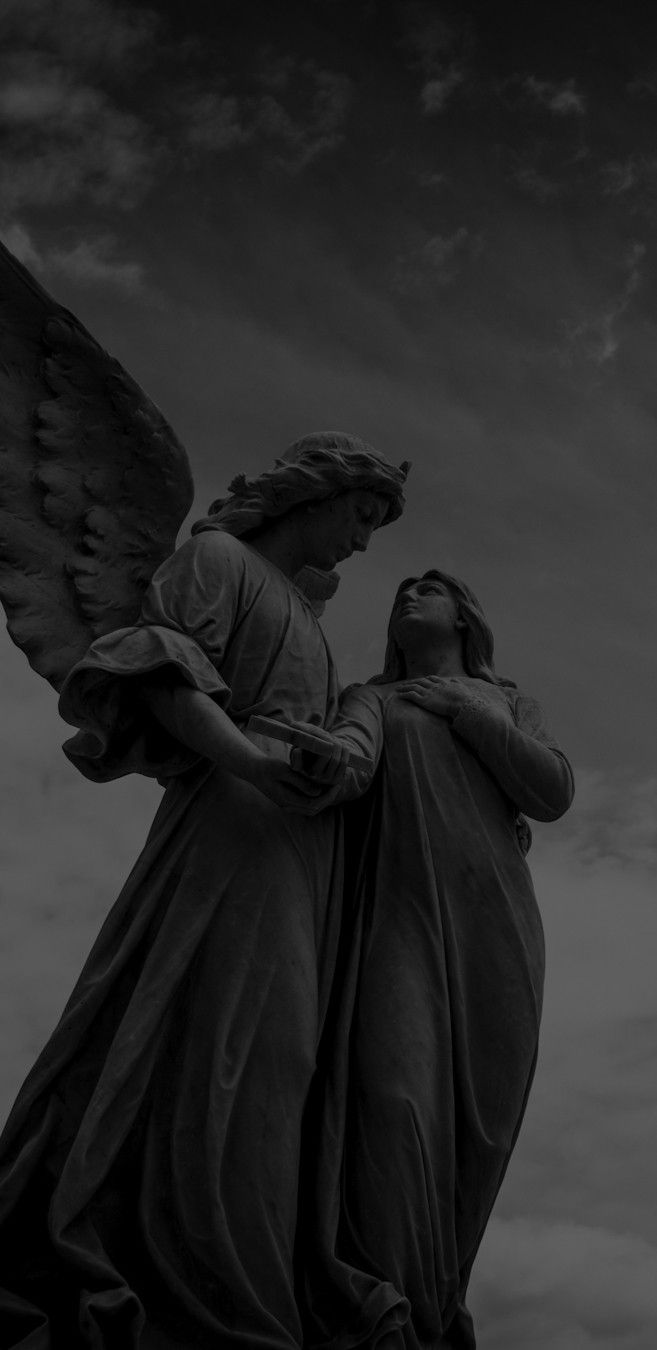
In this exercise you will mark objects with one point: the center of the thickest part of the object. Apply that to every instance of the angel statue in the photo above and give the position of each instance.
(152, 1166)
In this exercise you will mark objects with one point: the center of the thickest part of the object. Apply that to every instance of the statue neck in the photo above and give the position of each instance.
(281, 545)
(439, 660)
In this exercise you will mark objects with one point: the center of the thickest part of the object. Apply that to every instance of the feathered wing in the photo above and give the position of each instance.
(94, 484)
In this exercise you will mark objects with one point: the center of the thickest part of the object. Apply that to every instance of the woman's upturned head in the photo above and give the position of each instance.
(436, 608)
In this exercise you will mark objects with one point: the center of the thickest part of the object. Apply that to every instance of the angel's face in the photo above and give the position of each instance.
(342, 525)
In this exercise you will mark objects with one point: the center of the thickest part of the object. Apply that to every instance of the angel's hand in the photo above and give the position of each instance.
(290, 789)
(444, 695)
(322, 770)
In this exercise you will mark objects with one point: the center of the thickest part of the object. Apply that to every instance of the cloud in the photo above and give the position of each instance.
(435, 93)
(613, 820)
(430, 178)
(437, 261)
(595, 338)
(433, 44)
(636, 173)
(557, 1286)
(19, 242)
(93, 261)
(88, 261)
(314, 131)
(82, 34)
(585, 1152)
(564, 100)
(428, 36)
(296, 107)
(536, 184)
(64, 139)
(65, 134)
(644, 86)
(599, 915)
(214, 122)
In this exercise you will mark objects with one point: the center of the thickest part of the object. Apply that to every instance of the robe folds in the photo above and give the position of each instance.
(149, 1171)
(432, 1039)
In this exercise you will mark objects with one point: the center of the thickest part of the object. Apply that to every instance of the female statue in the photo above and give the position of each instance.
(149, 1172)
(433, 1045)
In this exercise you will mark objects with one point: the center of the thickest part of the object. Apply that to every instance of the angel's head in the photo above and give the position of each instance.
(339, 488)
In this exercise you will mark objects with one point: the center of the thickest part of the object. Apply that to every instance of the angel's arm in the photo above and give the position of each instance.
(186, 621)
(195, 721)
(151, 698)
(199, 723)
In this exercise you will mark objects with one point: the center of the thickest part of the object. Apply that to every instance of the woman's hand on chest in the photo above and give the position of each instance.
(444, 695)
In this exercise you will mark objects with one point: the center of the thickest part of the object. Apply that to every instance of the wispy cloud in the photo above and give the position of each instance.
(644, 86)
(88, 261)
(296, 108)
(438, 50)
(65, 138)
(436, 92)
(565, 1286)
(215, 122)
(564, 100)
(613, 820)
(536, 184)
(595, 337)
(428, 36)
(635, 174)
(437, 261)
(430, 178)
(84, 34)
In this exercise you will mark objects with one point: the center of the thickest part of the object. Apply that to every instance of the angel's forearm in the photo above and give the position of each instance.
(199, 723)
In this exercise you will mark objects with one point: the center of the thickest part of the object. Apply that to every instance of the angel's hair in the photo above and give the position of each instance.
(318, 466)
(478, 641)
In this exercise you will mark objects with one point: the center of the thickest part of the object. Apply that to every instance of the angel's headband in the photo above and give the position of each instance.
(313, 468)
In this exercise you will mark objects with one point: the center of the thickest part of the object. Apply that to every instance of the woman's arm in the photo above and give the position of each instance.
(359, 723)
(358, 726)
(520, 753)
(527, 763)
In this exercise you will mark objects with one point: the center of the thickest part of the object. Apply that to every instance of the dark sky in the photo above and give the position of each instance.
(432, 224)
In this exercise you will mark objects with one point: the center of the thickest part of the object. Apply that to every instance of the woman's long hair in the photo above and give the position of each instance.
(478, 641)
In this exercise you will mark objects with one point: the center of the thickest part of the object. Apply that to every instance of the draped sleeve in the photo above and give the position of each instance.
(521, 754)
(188, 615)
(359, 726)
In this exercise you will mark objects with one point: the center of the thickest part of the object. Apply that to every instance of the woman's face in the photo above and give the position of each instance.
(426, 608)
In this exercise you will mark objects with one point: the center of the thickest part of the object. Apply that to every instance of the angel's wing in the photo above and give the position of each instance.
(94, 485)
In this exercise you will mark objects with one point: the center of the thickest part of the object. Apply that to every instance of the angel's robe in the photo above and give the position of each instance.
(149, 1179)
(435, 1035)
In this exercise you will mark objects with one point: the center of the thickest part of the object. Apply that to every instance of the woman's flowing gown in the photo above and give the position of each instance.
(434, 1042)
(149, 1170)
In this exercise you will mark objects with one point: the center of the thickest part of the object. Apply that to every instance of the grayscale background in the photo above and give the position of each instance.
(433, 225)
